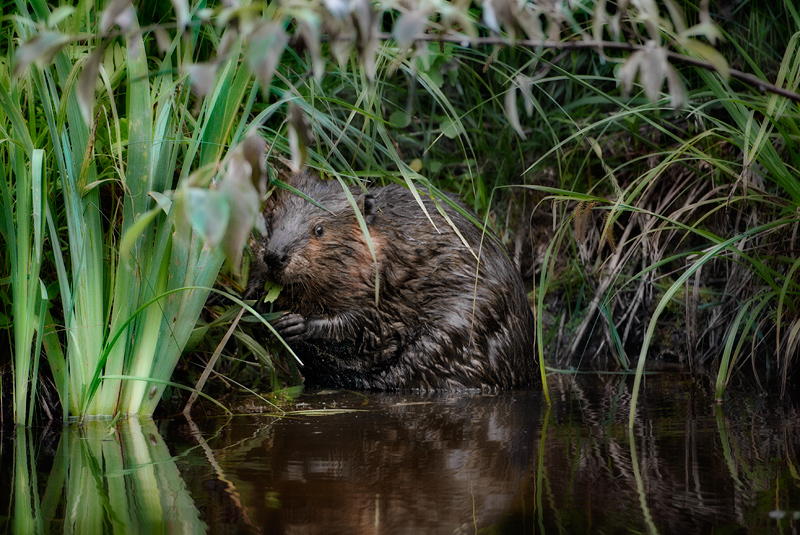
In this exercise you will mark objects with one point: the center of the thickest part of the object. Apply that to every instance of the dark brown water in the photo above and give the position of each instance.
(397, 464)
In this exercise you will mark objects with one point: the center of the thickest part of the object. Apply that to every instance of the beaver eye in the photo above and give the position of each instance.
(318, 230)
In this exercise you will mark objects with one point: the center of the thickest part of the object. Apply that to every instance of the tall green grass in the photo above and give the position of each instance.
(131, 276)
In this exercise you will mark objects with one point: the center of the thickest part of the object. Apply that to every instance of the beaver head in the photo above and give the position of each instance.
(314, 245)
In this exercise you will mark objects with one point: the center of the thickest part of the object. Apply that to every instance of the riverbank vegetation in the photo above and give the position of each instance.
(639, 161)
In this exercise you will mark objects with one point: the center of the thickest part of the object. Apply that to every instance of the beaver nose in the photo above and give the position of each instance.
(276, 260)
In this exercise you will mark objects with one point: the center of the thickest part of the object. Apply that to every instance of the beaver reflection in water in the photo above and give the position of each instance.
(434, 326)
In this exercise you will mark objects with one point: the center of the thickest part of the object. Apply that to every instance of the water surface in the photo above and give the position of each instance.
(413, 463)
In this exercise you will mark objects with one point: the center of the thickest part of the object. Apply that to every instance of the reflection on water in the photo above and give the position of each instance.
(94, 479)
(428, 464)
(407, 464)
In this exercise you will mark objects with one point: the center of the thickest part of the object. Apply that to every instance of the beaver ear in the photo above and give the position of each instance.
(370, 208)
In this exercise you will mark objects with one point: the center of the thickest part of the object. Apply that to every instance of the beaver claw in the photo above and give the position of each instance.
(292, 327)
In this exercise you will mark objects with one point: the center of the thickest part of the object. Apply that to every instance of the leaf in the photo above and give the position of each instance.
(490, 17)
(708, 30)
(264, 51)
(364, 17)
(341, 49)
(525, 83)
(531, 23)
(653, 68)
(710, 54)
(86, 84)
(119, 12)
(450, 129)
(202, 77)
(300, 136)
(254, 150)
(676, 15)
(164, 202)
(652, 71)
(229, 39)
(677, 92)
(367, 56)
(627, 72)
(367, 40)
(338, 8)
(136, 230)
(244, 201)
(58, 15)
(512, 113)
(41, 48)
(271, 291)
(181, 8)
(400, 119)
(310, 32)
(208, 211)
(162, 40)
(408, 26)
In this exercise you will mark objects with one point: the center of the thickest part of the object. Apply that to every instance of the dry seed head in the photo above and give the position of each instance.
(608, 234)
(580, 219)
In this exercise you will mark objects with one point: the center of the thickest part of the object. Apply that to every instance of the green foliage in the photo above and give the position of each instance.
(132, 279)
(642, 154)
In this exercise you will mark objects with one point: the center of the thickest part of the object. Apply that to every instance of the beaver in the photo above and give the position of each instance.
(440, 320)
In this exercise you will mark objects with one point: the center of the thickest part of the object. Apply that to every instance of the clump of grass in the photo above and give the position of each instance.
(130, 277)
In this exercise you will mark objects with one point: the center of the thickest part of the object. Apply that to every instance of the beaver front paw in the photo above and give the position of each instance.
(292, 327)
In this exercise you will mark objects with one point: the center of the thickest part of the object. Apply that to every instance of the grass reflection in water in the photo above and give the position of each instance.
(412, 463)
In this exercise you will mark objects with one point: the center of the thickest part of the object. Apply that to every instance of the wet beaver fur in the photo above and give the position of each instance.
(433, 327)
